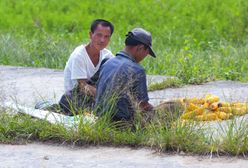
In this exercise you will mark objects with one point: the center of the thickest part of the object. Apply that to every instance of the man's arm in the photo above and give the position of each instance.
(147, 111)
(85, 88)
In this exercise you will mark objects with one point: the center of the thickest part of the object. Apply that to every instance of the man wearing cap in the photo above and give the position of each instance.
(122, 81)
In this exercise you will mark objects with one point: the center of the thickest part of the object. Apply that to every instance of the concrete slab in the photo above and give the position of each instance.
(29, 85)
(226, 90)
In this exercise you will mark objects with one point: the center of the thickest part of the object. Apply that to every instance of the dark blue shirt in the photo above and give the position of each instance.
(121, 84)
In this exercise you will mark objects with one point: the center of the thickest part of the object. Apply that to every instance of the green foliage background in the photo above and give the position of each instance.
(195, 40)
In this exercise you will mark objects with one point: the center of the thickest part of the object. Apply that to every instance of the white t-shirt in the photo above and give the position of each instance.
(80, 66)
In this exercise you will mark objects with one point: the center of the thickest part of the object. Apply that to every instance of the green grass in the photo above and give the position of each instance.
(168, 83)
(164, 133)
(236, 140)
(196, 41)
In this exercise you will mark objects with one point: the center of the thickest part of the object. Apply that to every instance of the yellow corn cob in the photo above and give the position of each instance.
(207, 117)
(192, 114)
(224, 104)
(206, 105)
(208, 96)
(238, 105)
(211, 99)
(240, 111)
(224, 116)
(194, 100)
(188, 115)
(214, 106)
(209, 108)
(191, 107)
(225, 109)
(199, 111)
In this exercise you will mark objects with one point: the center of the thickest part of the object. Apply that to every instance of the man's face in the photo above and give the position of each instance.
(100, 37)
(142, 52)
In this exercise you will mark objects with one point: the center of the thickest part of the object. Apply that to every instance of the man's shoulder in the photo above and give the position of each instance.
(139, 70)
(106, 53)
(132, 68)
(136, 67)
(78, 52)
(79, 49)
(126, 63)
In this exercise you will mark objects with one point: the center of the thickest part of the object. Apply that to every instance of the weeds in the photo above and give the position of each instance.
(168, 83)
(165, 133)
(16, 128)
(236, 139)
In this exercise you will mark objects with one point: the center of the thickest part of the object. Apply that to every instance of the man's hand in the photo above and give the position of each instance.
(145, 106)
(85, 88)
(147, 112)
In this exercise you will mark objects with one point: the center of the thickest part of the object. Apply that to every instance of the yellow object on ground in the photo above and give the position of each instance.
(225, 109)
(194, 100)
(224, 104)
(188, 115)
(209, 108)
(224, 116)
(211, 98)
(240, 111)
(214, 106)
(207, 117)
(191, 107)
(238, 105)
(192, 114)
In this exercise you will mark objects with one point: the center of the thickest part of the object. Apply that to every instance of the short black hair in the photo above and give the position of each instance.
(130, 41)
(102, 22)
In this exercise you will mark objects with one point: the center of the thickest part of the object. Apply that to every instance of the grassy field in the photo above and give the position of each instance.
(196, 41)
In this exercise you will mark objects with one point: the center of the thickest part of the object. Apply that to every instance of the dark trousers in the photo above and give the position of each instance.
(75, 101)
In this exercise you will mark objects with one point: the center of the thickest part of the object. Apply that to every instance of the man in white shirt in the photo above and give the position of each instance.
(82, 69)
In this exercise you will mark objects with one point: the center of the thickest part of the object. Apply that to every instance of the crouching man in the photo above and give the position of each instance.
(122, 80)
(82, 68)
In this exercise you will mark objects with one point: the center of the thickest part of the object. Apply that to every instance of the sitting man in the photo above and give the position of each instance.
(122, 81)
(82, 69)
